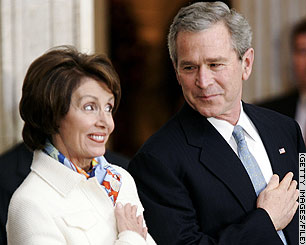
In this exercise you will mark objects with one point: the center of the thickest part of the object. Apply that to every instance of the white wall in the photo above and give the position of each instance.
(271, 21)
(28, 29)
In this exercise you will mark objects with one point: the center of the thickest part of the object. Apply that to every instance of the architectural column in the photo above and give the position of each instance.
(28, 29)
(271, 22)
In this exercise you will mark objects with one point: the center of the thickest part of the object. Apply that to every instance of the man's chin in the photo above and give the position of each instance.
(207, 110)
(208, 113)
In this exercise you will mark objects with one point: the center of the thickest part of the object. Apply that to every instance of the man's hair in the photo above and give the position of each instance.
(298, 29)
(202, 15)
(48, 86)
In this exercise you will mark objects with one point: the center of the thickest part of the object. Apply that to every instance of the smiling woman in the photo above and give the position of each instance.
(85, 129)
(70, 196)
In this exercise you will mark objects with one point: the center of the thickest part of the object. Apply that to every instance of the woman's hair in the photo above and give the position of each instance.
(48, 85)
(202, 15)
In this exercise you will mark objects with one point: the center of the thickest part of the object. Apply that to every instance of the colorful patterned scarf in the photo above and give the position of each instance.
(107, 176)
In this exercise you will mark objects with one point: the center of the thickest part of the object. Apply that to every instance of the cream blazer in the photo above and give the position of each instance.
(55, 205)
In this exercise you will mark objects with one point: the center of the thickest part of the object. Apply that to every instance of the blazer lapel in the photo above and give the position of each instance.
(218, 156)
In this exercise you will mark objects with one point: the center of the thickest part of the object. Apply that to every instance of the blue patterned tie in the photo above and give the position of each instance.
(251, 166)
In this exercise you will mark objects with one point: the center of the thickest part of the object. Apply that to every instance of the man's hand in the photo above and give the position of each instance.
(280, 200)
(127, 220)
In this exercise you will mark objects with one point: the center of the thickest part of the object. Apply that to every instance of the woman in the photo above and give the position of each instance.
(72, 194)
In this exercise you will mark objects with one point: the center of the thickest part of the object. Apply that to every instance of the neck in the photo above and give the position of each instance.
(84, 164)
(233, 116)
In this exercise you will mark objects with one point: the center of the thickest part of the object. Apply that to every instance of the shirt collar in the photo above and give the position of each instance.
(226, 129)
(248, 126)
(223, 127)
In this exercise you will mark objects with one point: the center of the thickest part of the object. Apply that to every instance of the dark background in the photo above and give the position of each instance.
(138, 50)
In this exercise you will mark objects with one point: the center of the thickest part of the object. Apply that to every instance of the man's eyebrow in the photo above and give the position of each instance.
(207, 60)
(185, 62)
(216, 59)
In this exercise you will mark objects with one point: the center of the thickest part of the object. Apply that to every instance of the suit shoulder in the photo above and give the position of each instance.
(285, 104)
(18, 159)
(168, 135)
(273, 122)
(269, 113)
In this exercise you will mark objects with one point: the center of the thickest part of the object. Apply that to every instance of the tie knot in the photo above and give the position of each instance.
(238, 134)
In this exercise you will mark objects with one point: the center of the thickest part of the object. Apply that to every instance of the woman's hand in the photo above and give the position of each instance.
(127, 220)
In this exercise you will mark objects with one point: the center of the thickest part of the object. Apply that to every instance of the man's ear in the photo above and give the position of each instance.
(176, 72)
(247, 63)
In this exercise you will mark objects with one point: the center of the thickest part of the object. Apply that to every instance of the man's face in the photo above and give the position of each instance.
(299, 61)
(210, 73)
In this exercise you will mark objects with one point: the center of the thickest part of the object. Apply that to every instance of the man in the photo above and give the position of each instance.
(294, 103)
(193, 185)
(15, 166)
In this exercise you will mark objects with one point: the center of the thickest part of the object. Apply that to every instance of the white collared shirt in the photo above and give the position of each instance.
(252, 138)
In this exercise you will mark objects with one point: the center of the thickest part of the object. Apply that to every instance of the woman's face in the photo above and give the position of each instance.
(84, 131)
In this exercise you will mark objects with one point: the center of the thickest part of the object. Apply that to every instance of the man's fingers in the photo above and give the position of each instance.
(293, 200)
(296, 195)
(293, 185)
(286, 181)
(293, 189)
(293, 209)
(273, 183)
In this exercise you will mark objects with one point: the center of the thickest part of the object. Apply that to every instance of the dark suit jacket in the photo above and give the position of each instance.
(195, 189)
(15, 166)
(285, 104)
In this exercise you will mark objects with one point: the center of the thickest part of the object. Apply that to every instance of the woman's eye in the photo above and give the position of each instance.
(108, 108)
(89, 108)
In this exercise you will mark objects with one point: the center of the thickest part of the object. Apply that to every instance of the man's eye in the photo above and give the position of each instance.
(188, 68)
(89, 108)
(108, 108)
(214, 65)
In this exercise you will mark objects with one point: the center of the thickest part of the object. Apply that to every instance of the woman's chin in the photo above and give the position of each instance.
(97, 153)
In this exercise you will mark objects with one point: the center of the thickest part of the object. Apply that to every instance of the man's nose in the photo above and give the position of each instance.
(204, 77)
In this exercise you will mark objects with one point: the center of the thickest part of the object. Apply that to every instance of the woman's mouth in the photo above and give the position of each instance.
(97, 138)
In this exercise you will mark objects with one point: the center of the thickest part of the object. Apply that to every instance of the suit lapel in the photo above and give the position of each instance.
(218, 156)
(271, 140)
(274, 140)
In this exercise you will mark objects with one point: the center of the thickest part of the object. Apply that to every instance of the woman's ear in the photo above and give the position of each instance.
(247, 63)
